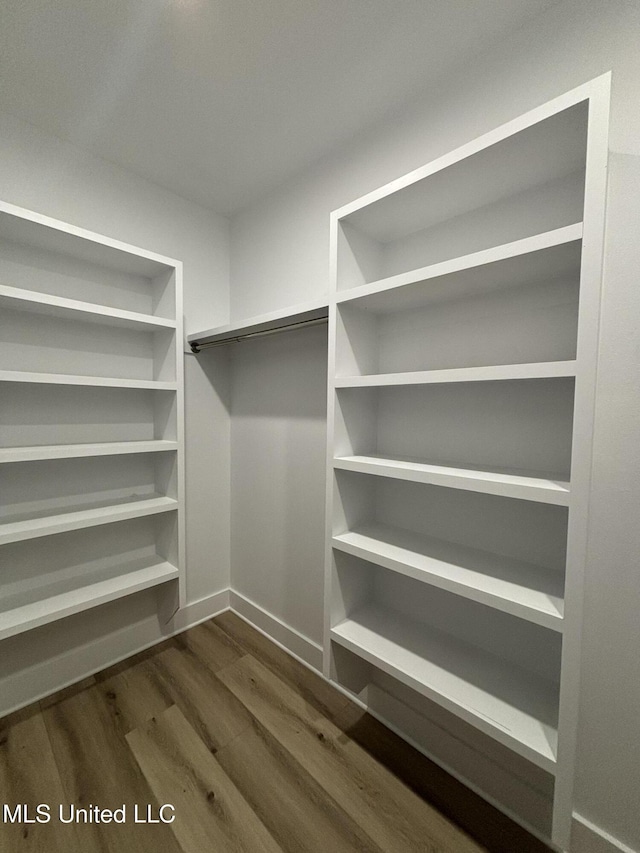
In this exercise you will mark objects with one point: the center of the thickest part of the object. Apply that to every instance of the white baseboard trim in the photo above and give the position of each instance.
(586, 837)
(200, 611)
(405, 732)
(292, 641)
(29, 685)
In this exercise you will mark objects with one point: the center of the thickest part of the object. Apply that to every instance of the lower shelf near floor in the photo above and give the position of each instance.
(50, 577)
(514, 784)
(517, 708)
(427, 639)
(33, 606)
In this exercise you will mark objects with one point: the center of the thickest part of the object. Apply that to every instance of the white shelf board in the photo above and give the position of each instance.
(73, 309)
(516, 707)
(55, 603)
(34, 453)
(13, 529)
(493, 373)
(530, 151)
(543, 257)
(29, 228)
(94, 381)
(262, 323)
(506, 482)
(522, 589)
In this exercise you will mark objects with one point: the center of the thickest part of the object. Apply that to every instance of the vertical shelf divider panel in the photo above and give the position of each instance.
(584, 411)
(478, 274)
(92, 430)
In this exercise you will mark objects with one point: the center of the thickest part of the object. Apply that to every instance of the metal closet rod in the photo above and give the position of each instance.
(198, 347)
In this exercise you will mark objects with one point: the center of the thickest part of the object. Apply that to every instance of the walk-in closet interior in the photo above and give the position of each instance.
(326, 314)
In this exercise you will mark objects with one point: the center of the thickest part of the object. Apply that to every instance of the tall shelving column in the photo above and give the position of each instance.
(462, 366)
(92, 422)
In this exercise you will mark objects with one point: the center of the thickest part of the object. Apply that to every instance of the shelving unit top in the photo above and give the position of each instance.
(540, 147)
(18, 225)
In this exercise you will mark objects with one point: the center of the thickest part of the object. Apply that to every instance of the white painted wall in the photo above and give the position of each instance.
(278, 447)
(40, 172)
(280, 258)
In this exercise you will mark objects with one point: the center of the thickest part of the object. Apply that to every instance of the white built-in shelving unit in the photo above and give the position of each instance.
(462, 349)
(91, 422)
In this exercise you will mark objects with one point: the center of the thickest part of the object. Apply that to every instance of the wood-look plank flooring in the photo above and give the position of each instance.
(254, 751)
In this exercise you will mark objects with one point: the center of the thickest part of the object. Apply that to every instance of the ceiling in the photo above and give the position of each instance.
(221, 100)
